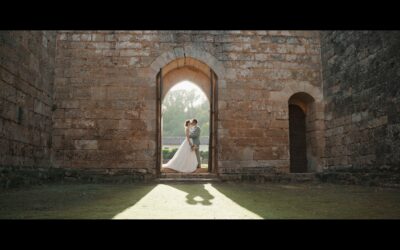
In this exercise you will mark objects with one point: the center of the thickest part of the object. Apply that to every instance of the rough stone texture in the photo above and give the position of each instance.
(85, 101)
(105, 94)
(361, 75)
(105, 101)
(26, 87)
(25, 176)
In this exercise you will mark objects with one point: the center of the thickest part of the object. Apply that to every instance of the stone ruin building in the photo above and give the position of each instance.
(86, 104)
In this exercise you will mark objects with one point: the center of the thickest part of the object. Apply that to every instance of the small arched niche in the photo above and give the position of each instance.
(303, 146)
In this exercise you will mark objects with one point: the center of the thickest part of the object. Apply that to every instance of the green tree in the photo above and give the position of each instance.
(180, 105)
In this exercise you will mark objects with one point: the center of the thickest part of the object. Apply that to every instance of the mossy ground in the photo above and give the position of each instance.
(200, 201)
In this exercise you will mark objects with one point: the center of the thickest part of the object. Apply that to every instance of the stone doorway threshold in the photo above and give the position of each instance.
(201, 175)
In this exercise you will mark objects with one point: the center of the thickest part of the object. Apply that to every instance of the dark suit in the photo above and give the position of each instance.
(195, 135)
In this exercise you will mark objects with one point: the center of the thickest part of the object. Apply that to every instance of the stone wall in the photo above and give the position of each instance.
(105, 94)
(262, 74)
(86, 100)
(105, 102)
(361, 77)
(26, 85)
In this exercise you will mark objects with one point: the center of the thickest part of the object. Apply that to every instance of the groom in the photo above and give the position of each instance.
(195, 135)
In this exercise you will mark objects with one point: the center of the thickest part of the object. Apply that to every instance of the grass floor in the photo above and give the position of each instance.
(200, 201)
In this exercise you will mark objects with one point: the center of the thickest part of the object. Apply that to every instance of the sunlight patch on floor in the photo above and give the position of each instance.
(173, 202)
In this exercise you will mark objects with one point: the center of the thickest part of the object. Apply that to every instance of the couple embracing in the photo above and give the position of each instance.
(187, 157)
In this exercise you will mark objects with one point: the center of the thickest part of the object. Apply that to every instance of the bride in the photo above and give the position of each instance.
(184, 159)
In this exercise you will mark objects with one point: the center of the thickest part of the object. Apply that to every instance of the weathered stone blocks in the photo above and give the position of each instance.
(26, 97)
(357, 114)
(101, 111)
(85, 144)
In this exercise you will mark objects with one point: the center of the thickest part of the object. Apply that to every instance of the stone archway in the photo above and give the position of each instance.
(189, 52)
(189, 67)
(305, 138)
(177, 71)
(310, 99)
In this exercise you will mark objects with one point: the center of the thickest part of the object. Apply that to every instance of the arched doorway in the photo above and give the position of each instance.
(301, 115)
(297, 138)
(195, 71)
(185, 100)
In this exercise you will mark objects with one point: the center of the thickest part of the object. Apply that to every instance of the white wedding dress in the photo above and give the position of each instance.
(184, 160)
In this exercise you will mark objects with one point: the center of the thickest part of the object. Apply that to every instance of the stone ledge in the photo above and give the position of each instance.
(361, 178)
(346, 178)
(11, 177)
(383, 169)
(186, 180)
(188, 175)
(277, 177)
(248, 170)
